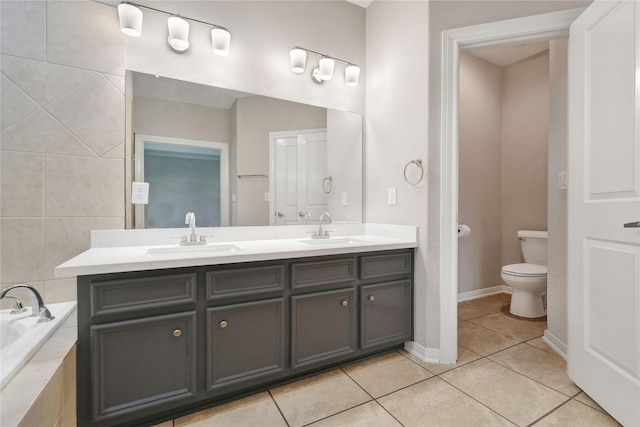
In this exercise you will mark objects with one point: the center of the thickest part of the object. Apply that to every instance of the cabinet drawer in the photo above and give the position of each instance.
(244, 281)
(129, 295)
(323, 326)
(373, 266)
(245, 342)
(386, 313)
(143, 363)
(307, 274)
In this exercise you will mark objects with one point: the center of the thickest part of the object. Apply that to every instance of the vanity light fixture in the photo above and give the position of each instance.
(130, 15)
(326, 65)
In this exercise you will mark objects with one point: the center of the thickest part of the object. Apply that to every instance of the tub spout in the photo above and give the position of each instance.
(39, 309)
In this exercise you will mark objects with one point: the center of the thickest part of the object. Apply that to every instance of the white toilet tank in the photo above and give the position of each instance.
(534, 246)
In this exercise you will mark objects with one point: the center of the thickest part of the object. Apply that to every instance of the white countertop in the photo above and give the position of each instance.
(115, 251)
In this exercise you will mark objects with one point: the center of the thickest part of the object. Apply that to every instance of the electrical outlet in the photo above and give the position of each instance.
(344, 198)
(140, 193)
(392, 200)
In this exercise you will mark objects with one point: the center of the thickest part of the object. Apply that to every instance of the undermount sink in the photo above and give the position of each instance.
(333, 241)
(193, 250)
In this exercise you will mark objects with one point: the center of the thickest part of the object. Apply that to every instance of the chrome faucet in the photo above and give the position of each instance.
(17, 308)
(39, 309)
(192, 238)
(306, 217)
(322, 234)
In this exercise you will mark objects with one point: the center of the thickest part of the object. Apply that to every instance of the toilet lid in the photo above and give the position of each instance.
(525, 270)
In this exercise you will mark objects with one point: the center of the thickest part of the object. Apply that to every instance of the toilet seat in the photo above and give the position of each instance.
(525, 270)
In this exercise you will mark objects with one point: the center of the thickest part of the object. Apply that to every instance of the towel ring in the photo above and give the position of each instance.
(327, 184)
(418, 163)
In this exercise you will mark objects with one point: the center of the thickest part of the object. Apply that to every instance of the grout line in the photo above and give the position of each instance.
(278, 407)
(549, 413)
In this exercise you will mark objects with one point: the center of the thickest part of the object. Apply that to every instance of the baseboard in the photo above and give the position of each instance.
(430, 355)
(479, 293)
(557, 345)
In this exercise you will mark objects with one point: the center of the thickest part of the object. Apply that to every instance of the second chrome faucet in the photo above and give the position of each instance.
(192, 238)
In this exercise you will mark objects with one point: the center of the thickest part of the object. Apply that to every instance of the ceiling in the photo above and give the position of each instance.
(506, 55)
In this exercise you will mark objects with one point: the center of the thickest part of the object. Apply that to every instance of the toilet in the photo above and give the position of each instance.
(528, 280)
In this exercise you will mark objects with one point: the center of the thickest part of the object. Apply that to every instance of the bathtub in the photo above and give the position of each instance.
(21, 336)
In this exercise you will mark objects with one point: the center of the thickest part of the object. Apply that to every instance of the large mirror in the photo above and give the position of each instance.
(237, 159)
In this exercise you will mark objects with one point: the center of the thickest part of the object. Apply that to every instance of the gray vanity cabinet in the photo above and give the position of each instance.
(155, 345)
(245, 343)
(323, 327)
(143, 363)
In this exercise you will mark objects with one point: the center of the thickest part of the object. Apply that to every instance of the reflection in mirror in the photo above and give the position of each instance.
(284, 158)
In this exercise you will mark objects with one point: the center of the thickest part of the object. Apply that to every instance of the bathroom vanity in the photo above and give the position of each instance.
(156, 343)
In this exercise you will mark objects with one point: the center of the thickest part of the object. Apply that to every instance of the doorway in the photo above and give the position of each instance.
(528, 29)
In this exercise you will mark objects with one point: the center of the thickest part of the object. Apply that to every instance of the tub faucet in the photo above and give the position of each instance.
(322, 234)
(192, 238)
(17, 308)
(39, 309)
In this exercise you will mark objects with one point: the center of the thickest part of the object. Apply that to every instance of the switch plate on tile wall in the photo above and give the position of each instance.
(140, 193)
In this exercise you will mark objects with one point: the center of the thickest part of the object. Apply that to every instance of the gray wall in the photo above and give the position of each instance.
(525, 137)
(480, 174)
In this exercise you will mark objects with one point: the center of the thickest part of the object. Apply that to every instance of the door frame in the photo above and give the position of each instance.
(534, 28)
(138, 175)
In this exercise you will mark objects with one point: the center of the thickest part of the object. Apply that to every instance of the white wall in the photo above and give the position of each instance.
(480, 174)
(557, 213)
(403, 121)
(262, 34)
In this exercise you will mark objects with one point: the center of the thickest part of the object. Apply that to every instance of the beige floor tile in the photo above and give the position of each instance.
(251, 411)
(514, 396)
(495, 303)
(464, 356)
(512, 326)
(539, 365)
(386, 374)
(539, 343)
(466, 311)
(576, 414)
(318, 397)
(587, 400)
(165, 424)
(481, 340)
(433, 402)
(367, 415)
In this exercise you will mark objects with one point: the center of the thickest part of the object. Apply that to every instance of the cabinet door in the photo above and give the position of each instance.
(323, 326)
(385, 315)
(245, 342)
(143, 363)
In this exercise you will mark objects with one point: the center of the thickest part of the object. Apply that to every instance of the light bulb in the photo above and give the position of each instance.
(298, 60)
(351, 75)
(178, 33)
(220, 41)
(130, 19)
(326, 68)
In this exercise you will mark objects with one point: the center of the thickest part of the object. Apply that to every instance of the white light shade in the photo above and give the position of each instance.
(130, 19)
(298, 60)
(178, 33)
(220, 41)
(326, 68)
(351, 75)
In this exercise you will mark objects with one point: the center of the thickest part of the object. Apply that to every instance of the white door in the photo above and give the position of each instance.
(298, 167)
(604, 194)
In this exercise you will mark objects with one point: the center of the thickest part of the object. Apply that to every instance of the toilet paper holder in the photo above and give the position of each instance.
(463, 230)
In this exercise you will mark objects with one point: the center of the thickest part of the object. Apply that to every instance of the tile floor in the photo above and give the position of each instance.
(505, 375)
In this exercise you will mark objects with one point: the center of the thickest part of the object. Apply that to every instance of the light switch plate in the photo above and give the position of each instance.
(344, 198)
(563, 180)
(392, 196)
(140, 193)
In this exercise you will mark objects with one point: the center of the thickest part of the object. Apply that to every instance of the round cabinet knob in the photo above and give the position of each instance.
(371, 298)
(224, 324)
(177, 333)
(345, 303)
